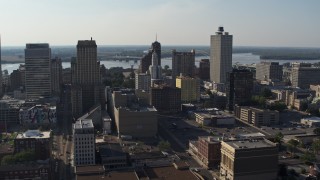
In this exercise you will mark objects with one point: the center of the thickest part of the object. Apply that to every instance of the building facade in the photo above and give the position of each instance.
(303, 75)
(155, 69)
(190, 88)
(220, 56)
(56, 75)
(257, 117)
(269, 71)
(239, 88)
(142, 81)
(166, 98)
(86, 80)
(249, 160)
(204, 69)
(209, 151)
(146, 60)
(83, 142)
(183, 63)
(38, 71)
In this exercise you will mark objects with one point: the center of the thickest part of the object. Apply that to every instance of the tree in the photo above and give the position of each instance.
(316, 146)
(308, 157)
(266, 93)
(278, 138)
(293, 144)
(316, 131)
(279, 106)
(164, 145)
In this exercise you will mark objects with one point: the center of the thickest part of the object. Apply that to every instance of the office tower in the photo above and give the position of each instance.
(249, 159)
(15, 80)
(183, 63)
(204, 69)
(190, 89)
(38, 73)
(86, 80)
(165, 98)
(269, 71)
(239, 88)
(220, 56)
(56, 75)
(83, 142)
(156, 47)
(142, 81)
(146, 60)
(303, 75)
(1, 93)
(155, 69)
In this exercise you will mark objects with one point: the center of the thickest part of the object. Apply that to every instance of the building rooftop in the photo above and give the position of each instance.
(34, 134)
(251, 135)
(89, 169)
(83, 124)
(312, 119)
(111, 150)
(250, 144)
(87, 43)
(169, 173)
(113, 175)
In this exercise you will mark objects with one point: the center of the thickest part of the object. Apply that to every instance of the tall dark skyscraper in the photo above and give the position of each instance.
(146, 60)
(38, 72)
(86, 80)
(220, 56)
(239, 88)
(183, 63)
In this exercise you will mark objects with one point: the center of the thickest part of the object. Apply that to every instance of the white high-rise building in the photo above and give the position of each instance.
(84, 142)
(155, 68)
(220, 56)
(38, 71)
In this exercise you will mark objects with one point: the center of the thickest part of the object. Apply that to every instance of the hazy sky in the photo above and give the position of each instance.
(177, 22)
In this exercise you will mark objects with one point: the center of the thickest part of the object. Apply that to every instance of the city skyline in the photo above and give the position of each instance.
(281, 24)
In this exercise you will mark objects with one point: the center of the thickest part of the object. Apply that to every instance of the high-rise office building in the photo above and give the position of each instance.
(146, 60)
(56, 75)
(303, 75)
(183, 63)
(142, 81)
(86, 80)
(155, 69)
(165, 98)
(38, 72)
(269, 71)
(84, 142)
(220, 56)
(239, 88)
(204, 69)
(190, 89)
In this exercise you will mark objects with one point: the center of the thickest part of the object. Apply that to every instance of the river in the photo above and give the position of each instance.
(240, 58)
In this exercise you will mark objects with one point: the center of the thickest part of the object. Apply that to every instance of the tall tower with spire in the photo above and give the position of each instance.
(155, 68)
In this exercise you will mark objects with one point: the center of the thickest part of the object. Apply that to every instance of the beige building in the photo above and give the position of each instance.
(249, 160)
(303, 75)
(316, 89)
(190, 88)
(269, 71)
(220, 56)
(131, 118)
(257, 117)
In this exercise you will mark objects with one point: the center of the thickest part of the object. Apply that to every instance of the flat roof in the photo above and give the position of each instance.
(89, 169)
(258, 134)
(113, 175)
(34, 134)
(169, 173)
(111, 150)
(312, 119)
(83, 123)
(250, 144)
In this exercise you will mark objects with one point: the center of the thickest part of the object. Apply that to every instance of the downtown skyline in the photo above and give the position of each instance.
(280, 24)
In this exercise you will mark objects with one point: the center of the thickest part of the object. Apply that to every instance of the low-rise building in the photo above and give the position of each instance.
(249, 160)
(26, 171)
(209, 151)
(112, 156)
(208, 119)
(35, 140)
(311, 122)
(257, 117)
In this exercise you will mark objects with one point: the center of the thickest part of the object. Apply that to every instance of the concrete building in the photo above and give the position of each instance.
(83, 142)
(239, 87)
(190, 88)
(208, 119)
(35, 170)
(209, 151)
(204, 69)
(56, 75)
(249, 160)
(155, 69)
(301, 74)
(183, 63)
(165, 98)
(220, 56)
(38, 71)
(146, 60)
(86, 81)
(66, 76)
(15, 80)
(35, 140)
(269, 71)
(258, 117)
(311, 122)
(112, 157)
(142, 81)
(316, 89)
(133, 119)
